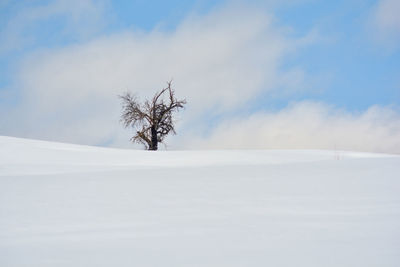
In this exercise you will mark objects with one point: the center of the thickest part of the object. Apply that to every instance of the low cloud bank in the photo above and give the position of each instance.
(308, 125)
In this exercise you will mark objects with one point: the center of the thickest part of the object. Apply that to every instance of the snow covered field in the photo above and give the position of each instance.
(70, 205)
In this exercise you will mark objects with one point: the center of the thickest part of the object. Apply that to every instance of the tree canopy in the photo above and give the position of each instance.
(152, 119)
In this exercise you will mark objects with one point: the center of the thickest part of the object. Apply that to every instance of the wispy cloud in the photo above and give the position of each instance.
(386, 21)
(218, 61)
(76, 19)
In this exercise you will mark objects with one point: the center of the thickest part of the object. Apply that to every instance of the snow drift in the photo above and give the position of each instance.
(70, 205)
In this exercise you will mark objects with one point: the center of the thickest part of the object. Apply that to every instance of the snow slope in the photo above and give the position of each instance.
(70, 205)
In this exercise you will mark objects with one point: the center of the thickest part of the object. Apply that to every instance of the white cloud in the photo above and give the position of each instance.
(308, 125)
(218, 62)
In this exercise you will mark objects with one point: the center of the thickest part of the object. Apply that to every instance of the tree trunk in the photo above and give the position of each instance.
(154, 140)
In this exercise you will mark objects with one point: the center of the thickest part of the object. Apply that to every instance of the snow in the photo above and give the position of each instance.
(71, 205)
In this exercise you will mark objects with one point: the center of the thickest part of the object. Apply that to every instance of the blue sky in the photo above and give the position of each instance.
(338, 60)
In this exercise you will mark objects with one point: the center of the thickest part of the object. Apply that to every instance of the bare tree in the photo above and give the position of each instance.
(152, 120)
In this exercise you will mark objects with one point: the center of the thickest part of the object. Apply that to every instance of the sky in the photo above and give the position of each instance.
(300, 74)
